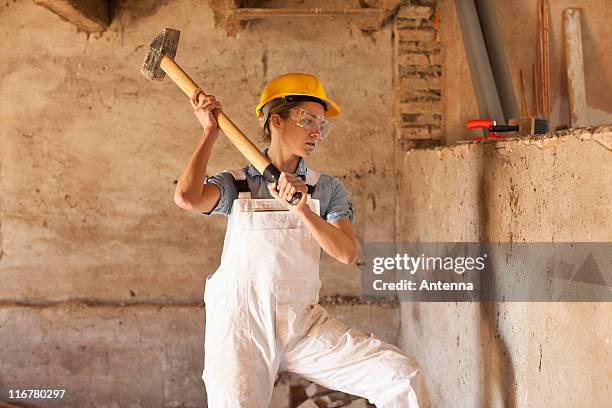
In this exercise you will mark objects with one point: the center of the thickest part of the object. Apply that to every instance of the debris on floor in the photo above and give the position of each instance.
(293, 391)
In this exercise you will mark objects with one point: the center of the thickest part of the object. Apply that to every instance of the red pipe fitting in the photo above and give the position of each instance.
(483, 124)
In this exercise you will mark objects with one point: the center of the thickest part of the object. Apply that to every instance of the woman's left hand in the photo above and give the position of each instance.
(289, 184)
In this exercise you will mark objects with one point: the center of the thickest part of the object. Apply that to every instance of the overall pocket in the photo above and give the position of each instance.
(326, 330)
(228, 339)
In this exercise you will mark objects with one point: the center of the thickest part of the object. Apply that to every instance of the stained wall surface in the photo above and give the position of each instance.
(91, 150)
(89, 154)
(138, 355)
(511, 354)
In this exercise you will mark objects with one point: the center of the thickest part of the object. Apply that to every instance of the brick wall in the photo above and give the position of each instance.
(418, 75)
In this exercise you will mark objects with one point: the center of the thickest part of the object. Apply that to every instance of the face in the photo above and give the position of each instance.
(295, 139)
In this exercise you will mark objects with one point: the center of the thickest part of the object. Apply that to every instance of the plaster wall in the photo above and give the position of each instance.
(511, 354)
(135, 356)
(90, 150)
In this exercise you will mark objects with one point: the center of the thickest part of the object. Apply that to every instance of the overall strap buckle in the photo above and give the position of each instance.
(240, 180)
(311, 179)
(241, 183)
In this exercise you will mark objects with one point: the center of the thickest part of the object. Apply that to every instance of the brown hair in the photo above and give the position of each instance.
(281, 108)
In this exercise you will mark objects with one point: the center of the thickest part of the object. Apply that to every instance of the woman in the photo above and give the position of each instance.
(262, 311)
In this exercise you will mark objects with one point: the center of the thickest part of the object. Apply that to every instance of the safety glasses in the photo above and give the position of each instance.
(307, 121)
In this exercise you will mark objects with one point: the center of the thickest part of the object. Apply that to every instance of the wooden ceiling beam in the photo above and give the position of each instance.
(365, 18)
(88, 15)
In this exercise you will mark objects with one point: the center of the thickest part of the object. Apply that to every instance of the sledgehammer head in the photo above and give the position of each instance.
(165, 43)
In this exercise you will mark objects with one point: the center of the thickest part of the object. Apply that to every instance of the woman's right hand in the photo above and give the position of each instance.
(203, 106)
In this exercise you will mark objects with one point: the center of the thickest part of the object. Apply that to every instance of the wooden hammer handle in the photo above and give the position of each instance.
(238, 139)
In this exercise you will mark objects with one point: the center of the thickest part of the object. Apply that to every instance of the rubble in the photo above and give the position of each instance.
(334, 300)
(293, 391)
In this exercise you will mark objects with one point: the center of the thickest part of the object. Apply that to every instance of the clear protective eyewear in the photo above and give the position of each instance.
(310, 122)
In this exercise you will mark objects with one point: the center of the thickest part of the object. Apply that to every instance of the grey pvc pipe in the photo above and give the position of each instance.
(497, 58)
(487, 97)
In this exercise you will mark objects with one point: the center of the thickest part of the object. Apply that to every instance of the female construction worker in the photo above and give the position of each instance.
(262, 311)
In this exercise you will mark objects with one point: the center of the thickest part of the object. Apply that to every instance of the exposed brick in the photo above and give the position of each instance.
(415, 12)
(419, 107)
(436, 59)
(421, 132)
(433, 118)
(421, 119)
(412, 59)
(413, 23)
(417, 35)
(409, 117)
(419, 95)
(419, 71)
(436, 132)
(419, 83)
(407, 47)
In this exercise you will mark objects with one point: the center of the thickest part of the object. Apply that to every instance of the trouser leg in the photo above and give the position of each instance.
(349, 360)
(240, 359)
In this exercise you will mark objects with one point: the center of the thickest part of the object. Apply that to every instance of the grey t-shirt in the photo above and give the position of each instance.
(334, 200)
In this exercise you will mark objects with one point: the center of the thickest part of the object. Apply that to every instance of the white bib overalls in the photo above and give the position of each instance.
(262, 316)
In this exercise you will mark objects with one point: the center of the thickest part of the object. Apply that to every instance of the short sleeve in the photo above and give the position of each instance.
(340, 205)
(229, 192)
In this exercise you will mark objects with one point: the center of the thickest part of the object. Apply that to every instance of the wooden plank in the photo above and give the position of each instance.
(87, 15)
(416, 133)
(524, 105)
(540, 64)
(249, 13)
(546, 59)
(364, 18)
(574, 62)
(543, 58)
(535, 89)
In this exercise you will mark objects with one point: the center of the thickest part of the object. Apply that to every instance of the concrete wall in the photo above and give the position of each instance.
(89, 155)
(131, 356)
(94, 149)
(511, 354)
(518, 25)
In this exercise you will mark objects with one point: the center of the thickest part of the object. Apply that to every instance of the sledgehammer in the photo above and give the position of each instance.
(159, 62)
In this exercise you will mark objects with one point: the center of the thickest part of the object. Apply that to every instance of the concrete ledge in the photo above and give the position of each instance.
(599, 134)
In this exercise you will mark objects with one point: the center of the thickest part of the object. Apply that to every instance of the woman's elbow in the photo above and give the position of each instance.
(182, 201)
(348, 255)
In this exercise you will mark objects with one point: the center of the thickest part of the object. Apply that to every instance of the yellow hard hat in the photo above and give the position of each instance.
(296, 84)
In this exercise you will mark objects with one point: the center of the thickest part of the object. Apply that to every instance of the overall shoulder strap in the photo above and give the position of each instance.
(240, 180)
(312, 177)
(241, 183)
